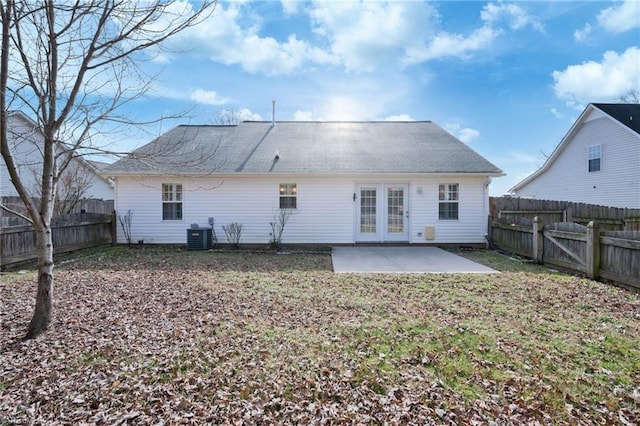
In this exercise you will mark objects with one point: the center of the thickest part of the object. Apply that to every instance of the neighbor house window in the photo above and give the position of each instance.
(448, 201)
(171, 201)
(595, 155)
(288, 196)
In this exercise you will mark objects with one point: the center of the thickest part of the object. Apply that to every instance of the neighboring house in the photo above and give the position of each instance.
(345, 182)
(597, 162)
(25, 141)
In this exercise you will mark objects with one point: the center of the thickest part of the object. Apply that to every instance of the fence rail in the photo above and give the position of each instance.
(612, 255)
(69, 233)
(549, 211)
(88, 205)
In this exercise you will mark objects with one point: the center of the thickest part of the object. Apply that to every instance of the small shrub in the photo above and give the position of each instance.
(125, 223)
(233, 232)
(280, 219)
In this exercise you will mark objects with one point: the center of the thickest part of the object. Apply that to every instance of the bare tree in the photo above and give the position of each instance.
(72, 188)
(72, 66)
(280, 219)
(631, 97)
(232, 117)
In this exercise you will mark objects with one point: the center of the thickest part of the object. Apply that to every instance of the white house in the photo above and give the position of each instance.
(345, 182)
(25, 141)
(597, 162)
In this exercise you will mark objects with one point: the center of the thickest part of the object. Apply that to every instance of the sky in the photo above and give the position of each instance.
(509, 78)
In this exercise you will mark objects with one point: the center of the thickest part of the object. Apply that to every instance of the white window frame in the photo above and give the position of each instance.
(288, 196)
(594, 152)
(449, 195)
(172, 195)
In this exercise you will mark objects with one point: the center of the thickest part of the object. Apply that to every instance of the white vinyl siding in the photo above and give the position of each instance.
(568, 177)
(470, 228)
(325, 211)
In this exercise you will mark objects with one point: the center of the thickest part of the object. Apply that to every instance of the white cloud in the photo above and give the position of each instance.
(245, 114)
(303, 116)
(516, 17)
(208, 97)
(400, 117)
(622, 17)
(359, 36)
(342, 108)
(465, 134)
(365, 35)
(556, 113)
(583, 34)
(445, 44)
(602, 81)
(290, 7)
(455, 45)
(232, 37)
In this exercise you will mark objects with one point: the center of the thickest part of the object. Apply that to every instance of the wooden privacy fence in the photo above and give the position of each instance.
(88, 205)
(608, 218)
(70, 232)
(612, 255)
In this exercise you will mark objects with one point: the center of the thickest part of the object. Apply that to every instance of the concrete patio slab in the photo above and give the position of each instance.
(402, 259)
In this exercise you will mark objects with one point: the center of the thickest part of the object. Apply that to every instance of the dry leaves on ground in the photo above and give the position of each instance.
(160, 336)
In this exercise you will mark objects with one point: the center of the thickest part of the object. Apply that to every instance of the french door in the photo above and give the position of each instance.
(382, 213)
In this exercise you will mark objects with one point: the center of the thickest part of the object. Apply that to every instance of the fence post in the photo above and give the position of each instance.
(538, 240)
(567, 215)
(593, 250)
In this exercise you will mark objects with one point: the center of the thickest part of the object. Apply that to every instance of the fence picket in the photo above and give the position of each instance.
(593, 249)
(70, 232)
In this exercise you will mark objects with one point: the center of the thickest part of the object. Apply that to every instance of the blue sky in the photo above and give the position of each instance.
(509, 78)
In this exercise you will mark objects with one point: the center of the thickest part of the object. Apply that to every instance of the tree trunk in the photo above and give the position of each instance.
(44, 296)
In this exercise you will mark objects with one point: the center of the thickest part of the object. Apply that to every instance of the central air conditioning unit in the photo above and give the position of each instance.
(199, 238)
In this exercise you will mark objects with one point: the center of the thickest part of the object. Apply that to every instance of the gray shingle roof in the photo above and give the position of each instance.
(306, 148)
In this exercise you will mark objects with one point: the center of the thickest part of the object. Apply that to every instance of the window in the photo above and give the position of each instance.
(288, 196)
(448, 201)
(171, 201)
(595, 155)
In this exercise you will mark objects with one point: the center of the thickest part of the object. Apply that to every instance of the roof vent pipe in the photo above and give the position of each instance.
(273, 113)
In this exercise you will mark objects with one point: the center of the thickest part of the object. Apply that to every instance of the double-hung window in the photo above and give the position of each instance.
(288, 196)
(595, 155)
(171, 201)
(448, 201)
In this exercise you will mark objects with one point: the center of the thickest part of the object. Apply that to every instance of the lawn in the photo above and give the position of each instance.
(150, 335)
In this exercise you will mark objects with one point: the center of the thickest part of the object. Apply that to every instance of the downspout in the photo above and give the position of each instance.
(485, 208)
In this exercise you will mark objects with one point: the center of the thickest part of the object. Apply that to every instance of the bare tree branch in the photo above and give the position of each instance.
(631, 97)
(15, 212)
(71, 67)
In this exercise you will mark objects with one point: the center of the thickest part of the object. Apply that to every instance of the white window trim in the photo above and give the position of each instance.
(283, 194)
(599, 157)
(174, 195)
(447, 193)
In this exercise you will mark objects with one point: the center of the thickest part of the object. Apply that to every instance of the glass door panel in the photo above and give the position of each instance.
(368, 211)
(395, 210)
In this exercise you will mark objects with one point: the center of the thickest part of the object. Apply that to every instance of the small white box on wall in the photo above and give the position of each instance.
(430, 233)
